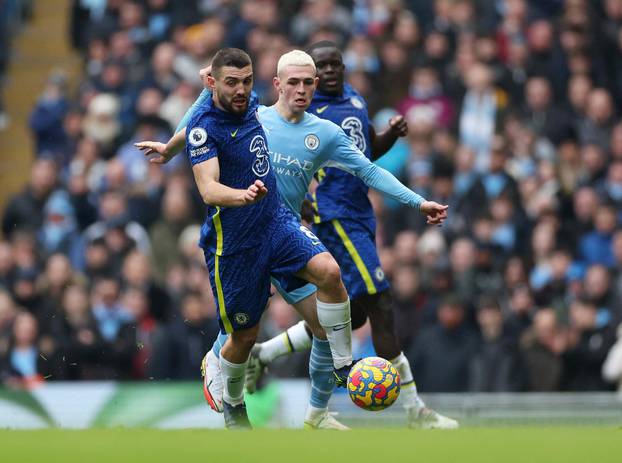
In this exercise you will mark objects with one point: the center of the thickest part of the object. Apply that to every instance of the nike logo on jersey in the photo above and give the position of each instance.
(322, 109)
(233, 134)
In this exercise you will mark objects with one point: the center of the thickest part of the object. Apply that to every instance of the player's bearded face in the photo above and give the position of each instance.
(296, 85)
(330, 70)
(232, 88)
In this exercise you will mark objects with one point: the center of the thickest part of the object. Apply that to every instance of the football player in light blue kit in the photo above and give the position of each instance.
(345, 223)
(300, 145)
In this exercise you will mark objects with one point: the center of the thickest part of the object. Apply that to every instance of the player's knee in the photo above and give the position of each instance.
(382, 303)
(244, 340)
(376, 307)
(330, 275)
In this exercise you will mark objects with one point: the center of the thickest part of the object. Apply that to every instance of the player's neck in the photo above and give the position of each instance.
(287, 114)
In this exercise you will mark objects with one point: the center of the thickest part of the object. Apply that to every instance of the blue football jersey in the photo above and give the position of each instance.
(240, 144)
(340, 194)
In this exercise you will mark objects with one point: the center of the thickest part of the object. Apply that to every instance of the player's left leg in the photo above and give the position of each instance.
(379, 309)
(353, 245)
(297, 251)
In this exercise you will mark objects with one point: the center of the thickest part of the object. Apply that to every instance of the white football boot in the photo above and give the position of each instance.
(326, 420)
(212, 381)
(426, 418)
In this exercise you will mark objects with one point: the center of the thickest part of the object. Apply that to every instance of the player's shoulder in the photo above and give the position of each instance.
(203, 120)
(353, 97)
(200, 128)
(265, 113)
(323, 128)
(325, 125)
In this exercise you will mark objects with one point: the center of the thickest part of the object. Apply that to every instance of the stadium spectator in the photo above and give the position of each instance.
(76, 331)
(7, 316)
(24, 211)
(541, 348)
(589, 338)
(480, 113)
(612, 368)
(451, 343)
(46, 119)
(179, 346)
(136, 274)
(176, 216)
(29, 359)
(116, 327)
(495, 366)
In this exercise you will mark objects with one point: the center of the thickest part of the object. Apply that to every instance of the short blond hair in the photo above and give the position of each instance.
(294, 58)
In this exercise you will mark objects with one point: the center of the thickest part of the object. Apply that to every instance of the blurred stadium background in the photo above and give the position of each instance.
(513, 107)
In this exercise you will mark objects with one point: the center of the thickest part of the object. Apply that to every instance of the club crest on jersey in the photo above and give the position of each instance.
(241, 318)
(312, 142)
(258, 147)
(358, 104)
(197, 136)
(379, 274)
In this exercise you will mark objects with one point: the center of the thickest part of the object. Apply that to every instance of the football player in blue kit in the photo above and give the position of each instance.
(249, 236)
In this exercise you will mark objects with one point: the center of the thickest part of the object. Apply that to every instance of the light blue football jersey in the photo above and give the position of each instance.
(298, 150)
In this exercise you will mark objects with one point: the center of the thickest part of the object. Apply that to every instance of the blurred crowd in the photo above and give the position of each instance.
(511, 106)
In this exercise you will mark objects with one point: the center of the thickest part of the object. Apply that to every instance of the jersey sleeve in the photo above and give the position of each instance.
(203, 97)
(200, 144)
(346, 156)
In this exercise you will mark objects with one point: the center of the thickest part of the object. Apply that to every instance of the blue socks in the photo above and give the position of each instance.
(321, 373)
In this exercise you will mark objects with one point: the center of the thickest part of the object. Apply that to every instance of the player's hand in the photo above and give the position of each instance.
(435, 212)
(255, 192)
(154, 147)
(398, 125)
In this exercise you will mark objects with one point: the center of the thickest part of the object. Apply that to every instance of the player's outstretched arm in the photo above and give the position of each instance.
(383, 141)
(346, 156)
(165, 151)
(214, 193)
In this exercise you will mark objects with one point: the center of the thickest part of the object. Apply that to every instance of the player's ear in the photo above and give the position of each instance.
(316, 82)
(277, 83)
(211, 81)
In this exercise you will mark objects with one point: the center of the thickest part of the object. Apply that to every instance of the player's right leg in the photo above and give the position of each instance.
(320, 370)
(333, 310)
(240, 301)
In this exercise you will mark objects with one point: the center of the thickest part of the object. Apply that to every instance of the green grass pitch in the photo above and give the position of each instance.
(477, 445)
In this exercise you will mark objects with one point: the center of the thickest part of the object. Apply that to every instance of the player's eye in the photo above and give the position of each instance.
(248, 81)
(308, 81)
